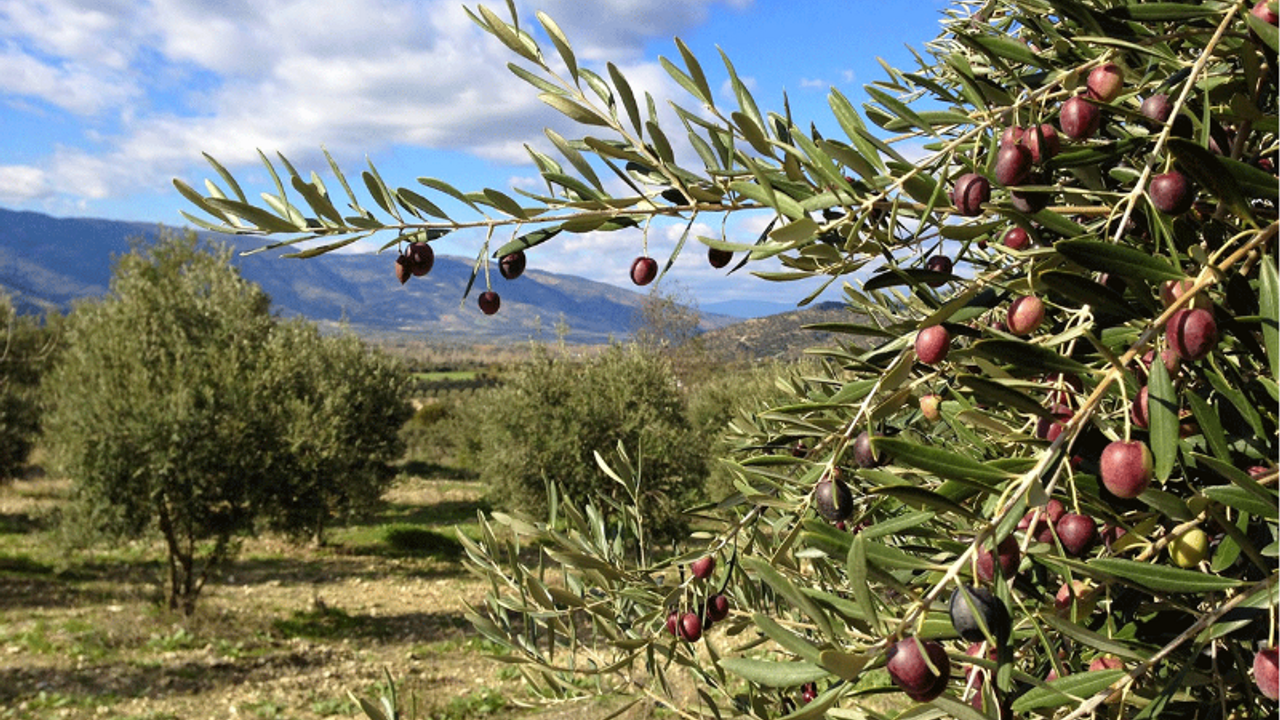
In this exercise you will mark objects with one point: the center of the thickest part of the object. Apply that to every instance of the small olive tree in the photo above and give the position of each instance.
(339, 407)
(26, 351)
(1068, 420)
(157, 410)
(180, 407)
(544, 425)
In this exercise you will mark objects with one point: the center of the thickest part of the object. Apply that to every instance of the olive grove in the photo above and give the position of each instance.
(1048, 489)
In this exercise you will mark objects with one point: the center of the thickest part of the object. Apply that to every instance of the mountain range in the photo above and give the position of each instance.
(48, 263)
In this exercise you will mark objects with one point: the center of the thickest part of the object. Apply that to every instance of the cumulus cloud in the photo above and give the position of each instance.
(156, 83)
(20, 183)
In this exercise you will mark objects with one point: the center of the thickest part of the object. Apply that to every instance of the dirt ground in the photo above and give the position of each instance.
(283, 632)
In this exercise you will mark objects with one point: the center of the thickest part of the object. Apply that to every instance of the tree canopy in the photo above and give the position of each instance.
(179, 407)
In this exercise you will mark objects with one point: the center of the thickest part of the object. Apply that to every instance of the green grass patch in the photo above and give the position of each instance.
(417, 540)
(481, 703)
(23, 565)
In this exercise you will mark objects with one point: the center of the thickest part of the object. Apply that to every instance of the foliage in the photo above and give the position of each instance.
(178, 405)
(25, 353)
(725, 402)
(340, 409)
(822, 603)
(668, 322)
(545, 424)
(157, 409)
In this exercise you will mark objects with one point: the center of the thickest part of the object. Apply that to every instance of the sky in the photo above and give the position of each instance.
(104, 102)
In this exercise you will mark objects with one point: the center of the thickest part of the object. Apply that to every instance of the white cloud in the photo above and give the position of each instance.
(72, 86)
(19, 183)
(169, 79)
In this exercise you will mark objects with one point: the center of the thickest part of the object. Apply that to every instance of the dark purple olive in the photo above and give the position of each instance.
(1079, 118)
(970, 193)
(1171, 193)
(512, 265)
(1013, 164)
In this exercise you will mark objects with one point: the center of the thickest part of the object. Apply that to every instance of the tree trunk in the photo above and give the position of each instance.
(172, 592)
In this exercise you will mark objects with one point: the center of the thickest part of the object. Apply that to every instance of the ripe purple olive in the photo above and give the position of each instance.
(1017, 239)
(808, 692)
(1168, 358)
(717, 607)
(1042, 529)
(1141, 413)
(1192, 333)
(865, 453)
(1157, 108)
(1009, 557)
(1012, 135)
(421, 258)
(971, 191)
(1043, 143)
(1266, 664)
(1075, 600)
(703, 567)
(1050, 428)
(1013, 164)
(1171, 193)
(1077, 533)
(489, 302)
(1126, 468)
(1262, 10)
(1025, 315)
(833, 500)
(403, 273)
(673, 623)
(643, 270)
(1105, 82)
(940, 264)
(718, 258)
(690, 627)
(932, 344)
(1079, 118)
(512, 265)
(1172, 290)
(1106, 662)
(921, 675)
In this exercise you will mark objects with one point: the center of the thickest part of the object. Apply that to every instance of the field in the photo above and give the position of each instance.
(282, 632)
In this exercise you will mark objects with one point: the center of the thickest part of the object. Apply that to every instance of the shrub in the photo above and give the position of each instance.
(545, 424)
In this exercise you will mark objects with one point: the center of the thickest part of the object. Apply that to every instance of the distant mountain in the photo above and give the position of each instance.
(48, 262)
(784, 336)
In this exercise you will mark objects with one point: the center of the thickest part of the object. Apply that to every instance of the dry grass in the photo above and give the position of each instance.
(284, 631)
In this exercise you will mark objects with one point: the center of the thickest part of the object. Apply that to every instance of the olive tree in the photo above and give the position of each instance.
(548, 421)
(156, 410)
(1049, 487)
(340, 408)
(26, 350)
(179, 407)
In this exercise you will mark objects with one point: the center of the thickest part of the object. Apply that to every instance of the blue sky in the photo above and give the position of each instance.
(103, 102)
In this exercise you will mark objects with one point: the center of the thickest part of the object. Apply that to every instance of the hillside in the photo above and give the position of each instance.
(782, 336)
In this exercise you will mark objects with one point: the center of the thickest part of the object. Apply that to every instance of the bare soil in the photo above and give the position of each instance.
(284, 631)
